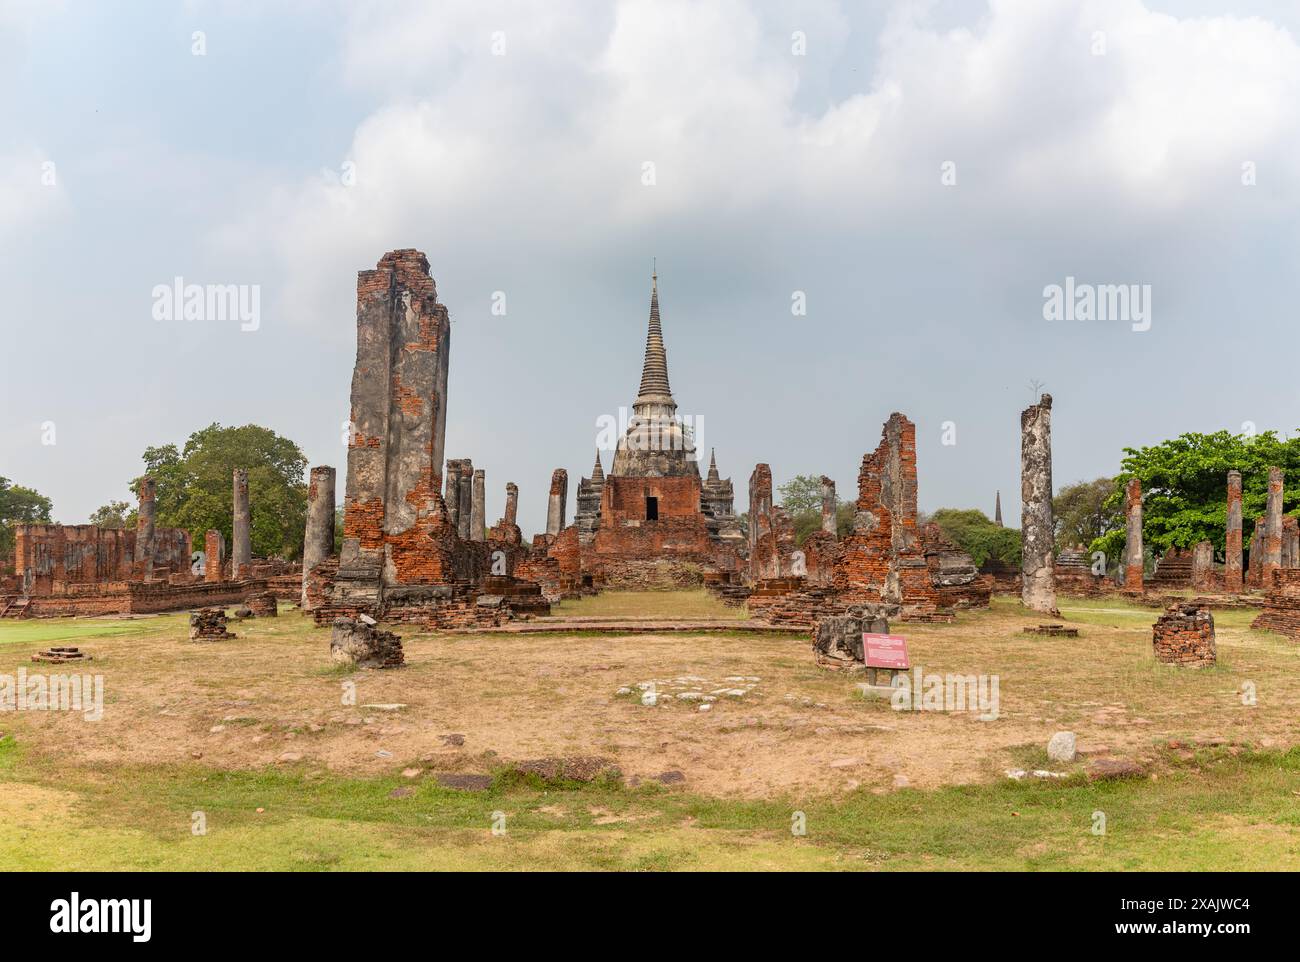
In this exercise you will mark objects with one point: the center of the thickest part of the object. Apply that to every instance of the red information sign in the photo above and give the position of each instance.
(885, 651)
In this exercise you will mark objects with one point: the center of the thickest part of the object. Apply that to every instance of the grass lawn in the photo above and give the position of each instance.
(263, 721)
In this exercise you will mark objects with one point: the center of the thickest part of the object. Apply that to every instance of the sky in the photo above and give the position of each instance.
(913, 175)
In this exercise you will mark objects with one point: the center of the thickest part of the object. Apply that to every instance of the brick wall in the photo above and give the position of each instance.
(1184, 635)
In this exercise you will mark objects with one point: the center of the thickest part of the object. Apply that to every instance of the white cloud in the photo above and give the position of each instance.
(544, 145)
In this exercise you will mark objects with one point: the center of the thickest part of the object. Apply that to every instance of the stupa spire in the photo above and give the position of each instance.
(597, 472)
(654, 370)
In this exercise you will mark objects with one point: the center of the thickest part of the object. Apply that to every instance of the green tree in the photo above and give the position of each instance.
(1184, 487)
(972, 531)
(1085, 511)
(19, 505)
(194, 484)
(115, 514)
(801, 498)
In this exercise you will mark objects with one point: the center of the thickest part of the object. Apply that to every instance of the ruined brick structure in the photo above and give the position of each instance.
(1232, 537)
(1134, 558)
(1184, 635)
(318, 540)
(1272, 543)
(883, 558)
(1282, 605)
(241, 550)
(144, 530)
(557, 502)
(409, 552)
(49, 557)
(1037, 526)
(1204, 577)
(953, 574)
(1072, 571)
(214, 555)
(395, 524)
(1173, 571)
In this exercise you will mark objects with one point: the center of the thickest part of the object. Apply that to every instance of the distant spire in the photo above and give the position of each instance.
(713, 465)
(997, 509)
(654, 372)
(598, 473)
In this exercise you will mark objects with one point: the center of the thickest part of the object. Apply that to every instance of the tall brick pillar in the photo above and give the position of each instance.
(512, 503)
(1203, 566)
(1255, 563)
(465, 497)
(1232, 537)
(214, 551)
(318, 540)
(1133, 551)
(1272, 529)
(145, 541)
(452, 496)
(1290, 543)
(1037, 526)
(557, 501)
(478, 513)
(392, 508)
(828, 506)
(241, 551)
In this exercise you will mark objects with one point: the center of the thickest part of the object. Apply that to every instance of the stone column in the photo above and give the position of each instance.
(512, 503)
(828, 506)
(1272, 529)
(478, 514)
(1133, 554)
(1290, 543)
(214, 550)
(1203, 566)
(465, 498)
(1037, 526)
(241, 552)
(452, 496)
(144, 530)
(318, 541)
(557, 502)
(1256, 560)
(1232, 538)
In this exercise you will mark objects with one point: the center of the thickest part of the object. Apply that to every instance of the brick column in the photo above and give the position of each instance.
(1037, 526)
(452, 496)
(557, 501)
(1133, 554)
(145, 541)
(1203, 566)
(478, 511)
(213, 550)
(828, 506)
(512, 503)
(465, 497)
(1272, 529)
(1232, 537)
(241, 552)
(318, 541)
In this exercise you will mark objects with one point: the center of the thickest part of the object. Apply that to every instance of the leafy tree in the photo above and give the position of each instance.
(1184, 487)
(193, 486)
(115, 514)
(972, 531)
(19, 505)
(802, 500)
(1084, 512)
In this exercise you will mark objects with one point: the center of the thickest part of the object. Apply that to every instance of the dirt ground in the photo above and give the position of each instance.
(776, 725)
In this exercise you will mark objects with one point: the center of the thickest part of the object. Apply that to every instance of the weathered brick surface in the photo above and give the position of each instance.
(953, 574)
(1174, 570)
(1232, 537)
(883, 559)
(1134, 559)
(262, 604)
(48, 555)
(318, 538)
(1073, 574)
(1184, 635)
(138, 597)
(1282, 605)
